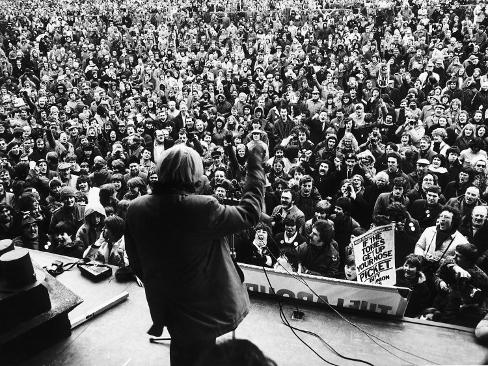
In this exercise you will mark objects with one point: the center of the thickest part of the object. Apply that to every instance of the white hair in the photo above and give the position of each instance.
(382, 175)
(181, 166)
(480, 208)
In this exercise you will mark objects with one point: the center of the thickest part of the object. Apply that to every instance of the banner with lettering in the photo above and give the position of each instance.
(374, 253)
(385, 300)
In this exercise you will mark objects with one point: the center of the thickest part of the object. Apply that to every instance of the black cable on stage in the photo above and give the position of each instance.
(292, 328)
(287, 323)
(371, 336)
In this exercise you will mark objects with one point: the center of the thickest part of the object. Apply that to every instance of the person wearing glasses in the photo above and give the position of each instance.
(438, 243)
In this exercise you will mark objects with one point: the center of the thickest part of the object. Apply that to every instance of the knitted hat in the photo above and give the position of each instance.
(67, 192)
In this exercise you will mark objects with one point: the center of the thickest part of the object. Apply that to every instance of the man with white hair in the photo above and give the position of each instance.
(466, 202)
(476, 231)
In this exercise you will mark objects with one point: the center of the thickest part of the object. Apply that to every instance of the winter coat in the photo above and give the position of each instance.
(320, 261)
(86, 234)
(192, 285)
(420, 297)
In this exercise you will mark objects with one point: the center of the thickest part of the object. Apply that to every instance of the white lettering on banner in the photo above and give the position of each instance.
(340, 302)
(374, 253)
(339, 293)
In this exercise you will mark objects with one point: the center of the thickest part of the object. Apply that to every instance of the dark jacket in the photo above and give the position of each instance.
(248, 253)
(384, 200)
(289, 250)
(307, 204)
(425, 214)
(319, 261)
(71, 216)
(192, 285)
(464, 209)
(421, 295)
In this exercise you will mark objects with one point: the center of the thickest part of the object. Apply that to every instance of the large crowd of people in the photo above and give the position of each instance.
(368, 113)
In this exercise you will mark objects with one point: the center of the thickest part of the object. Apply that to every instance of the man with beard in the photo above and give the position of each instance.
(425, 211)
(325, 179)
(474, 152)
(134, 170)
(288, 242)
(307, 197)
(287, 209)
(422, 167)
(319, 256)
(223, 106)
(466, 202)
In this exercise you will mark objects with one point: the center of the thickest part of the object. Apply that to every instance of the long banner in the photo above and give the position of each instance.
(387, 300)
(374, 253)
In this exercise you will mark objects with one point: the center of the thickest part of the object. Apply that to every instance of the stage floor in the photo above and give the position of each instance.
(118, 337)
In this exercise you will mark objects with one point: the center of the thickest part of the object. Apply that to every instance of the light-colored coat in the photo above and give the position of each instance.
(426, 244)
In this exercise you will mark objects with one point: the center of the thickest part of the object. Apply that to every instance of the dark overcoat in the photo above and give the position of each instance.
(175, 244)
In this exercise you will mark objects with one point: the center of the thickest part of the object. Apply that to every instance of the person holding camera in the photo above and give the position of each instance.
(412, 126)
(462, 287)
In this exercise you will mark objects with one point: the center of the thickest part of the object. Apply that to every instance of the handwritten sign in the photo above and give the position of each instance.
(374, 253)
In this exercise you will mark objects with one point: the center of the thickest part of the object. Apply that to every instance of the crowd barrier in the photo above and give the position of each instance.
(385, 300)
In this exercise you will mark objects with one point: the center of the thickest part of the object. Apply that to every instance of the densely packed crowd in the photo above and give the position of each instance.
(369, 113)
